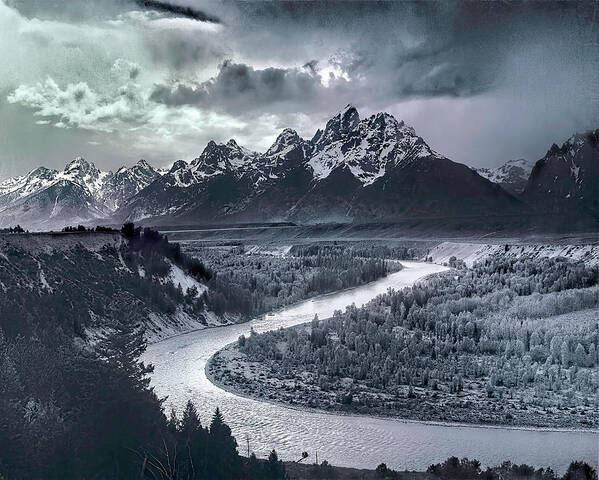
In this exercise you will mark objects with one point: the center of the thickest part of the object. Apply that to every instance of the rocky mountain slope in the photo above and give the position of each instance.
(46, 199)
(512, 175)
(566, 179)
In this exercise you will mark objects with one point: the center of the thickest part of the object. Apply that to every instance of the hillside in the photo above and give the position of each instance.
(470, 253)
(88, 283)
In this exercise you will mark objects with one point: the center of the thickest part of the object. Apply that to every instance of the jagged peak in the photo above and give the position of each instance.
(288, 132)
(287, 135)
(518, 163)
(349, 108)
(386, 115)
(317, 136)
(579, 139)
(81, 166)
(385, 120)
(144, 164)
(39, 171)
(77, 162)
(345, 118)
(287, 138)
(345, 122)
(574, 143)
(141, 164)
(220, 157)
(350, 118)
(554, 148)
(231, 145)
(178, 165)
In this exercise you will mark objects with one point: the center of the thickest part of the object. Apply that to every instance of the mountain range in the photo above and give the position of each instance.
(45, 198)
(353, 170)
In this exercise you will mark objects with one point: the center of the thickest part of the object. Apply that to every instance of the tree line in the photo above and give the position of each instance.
(252, 284)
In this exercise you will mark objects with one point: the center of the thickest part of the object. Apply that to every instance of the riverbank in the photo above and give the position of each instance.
(230, 370)
(497, 344)
(324, 471)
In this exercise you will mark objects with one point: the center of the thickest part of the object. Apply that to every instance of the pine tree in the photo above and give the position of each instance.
(274, 468)
(217, 422)
(190, 422)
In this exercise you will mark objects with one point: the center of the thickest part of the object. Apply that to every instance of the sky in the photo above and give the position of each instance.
(119, 80)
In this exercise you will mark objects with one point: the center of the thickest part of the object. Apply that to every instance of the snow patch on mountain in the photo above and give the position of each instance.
(512, 175)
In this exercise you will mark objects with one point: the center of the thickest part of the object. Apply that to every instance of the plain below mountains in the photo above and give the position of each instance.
(353, 170)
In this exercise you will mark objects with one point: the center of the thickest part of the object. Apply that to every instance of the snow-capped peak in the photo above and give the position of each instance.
(286, 140)
(218, 158)
(80, 166)
(577, 141)
(142, 163)
(178, 165)
(367, 147)
(512, 175)
(96, 192)
(342, 124)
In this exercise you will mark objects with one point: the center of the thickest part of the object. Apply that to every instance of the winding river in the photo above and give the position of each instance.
(352, 441)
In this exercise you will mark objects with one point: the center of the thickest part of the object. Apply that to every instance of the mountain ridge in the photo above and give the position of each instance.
(323, 179)
(352, 170)
(566, 179)
(77, 194)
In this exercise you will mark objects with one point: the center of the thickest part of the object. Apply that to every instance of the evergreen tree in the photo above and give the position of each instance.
(274, 468)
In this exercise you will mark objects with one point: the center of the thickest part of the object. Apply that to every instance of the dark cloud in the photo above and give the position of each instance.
(423, 49)
(179, 10)
(85, 9)
(239, 88)
(180, 50)
(311, 66)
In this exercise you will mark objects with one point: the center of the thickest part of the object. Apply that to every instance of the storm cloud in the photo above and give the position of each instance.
(179, 10)
(84, 9)
(482, 82)
(241, 88)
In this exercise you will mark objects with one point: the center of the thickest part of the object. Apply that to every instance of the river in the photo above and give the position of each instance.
(345, 440)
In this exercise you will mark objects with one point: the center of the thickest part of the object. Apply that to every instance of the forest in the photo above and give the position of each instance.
(74, 406)
(72, 413)
(510, 341)
(252, 283)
